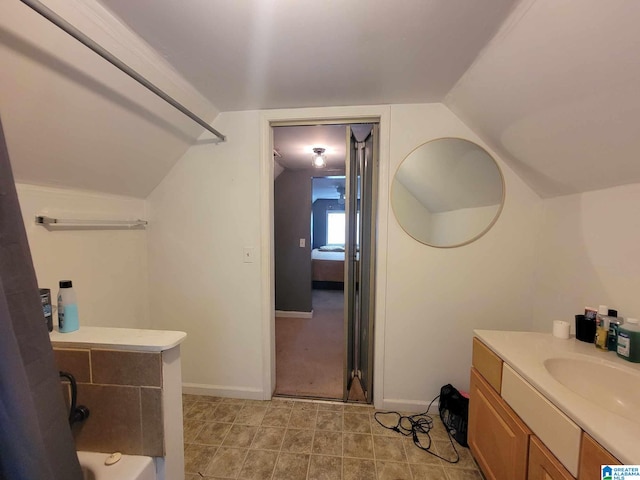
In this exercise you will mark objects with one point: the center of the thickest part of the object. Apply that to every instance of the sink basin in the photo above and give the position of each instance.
(611, 387)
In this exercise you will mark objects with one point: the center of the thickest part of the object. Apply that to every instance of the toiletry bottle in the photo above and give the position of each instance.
(590, 324)
(629, 340)
(67, 308)
(614, 325)
(602, 330)
(45, 300)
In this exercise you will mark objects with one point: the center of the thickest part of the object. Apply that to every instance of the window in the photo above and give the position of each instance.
(336, 228)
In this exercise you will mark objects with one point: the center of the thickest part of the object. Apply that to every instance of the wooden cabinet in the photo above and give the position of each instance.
(502, 444)
(498, 439)
(543, 465)
(488, 364)
(592, 457)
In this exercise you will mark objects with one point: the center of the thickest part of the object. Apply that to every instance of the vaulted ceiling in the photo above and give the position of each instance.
(556, 94)
(73, 120)
(258, 54)
(551, 85)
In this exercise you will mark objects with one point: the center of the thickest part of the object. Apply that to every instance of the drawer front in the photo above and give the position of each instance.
(543, 465)
(488, 364)
(554, 428)
(498, 439)
(592, 456)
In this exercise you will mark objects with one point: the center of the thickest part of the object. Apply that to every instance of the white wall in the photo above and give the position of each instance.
(201, 216)
(208, 208)
(436, 297)
(589, 254)
(108, 267)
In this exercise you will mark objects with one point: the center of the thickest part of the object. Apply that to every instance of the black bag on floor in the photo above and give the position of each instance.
(454, 412)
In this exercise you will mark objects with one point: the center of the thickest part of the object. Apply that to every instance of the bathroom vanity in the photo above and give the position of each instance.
(547, 408)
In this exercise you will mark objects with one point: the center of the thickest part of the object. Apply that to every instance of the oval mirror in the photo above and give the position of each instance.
(447, 192)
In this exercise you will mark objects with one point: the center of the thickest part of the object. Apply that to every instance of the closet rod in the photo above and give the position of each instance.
(82, 38)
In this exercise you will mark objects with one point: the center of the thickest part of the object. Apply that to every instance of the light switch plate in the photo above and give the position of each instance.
(303, 242)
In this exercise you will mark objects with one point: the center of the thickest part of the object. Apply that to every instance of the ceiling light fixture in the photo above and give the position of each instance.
(319, 159)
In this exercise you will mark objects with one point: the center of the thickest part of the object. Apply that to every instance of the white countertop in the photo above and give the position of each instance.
(118, 338)
(526, 352)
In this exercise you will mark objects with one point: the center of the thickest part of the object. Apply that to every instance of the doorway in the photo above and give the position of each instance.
(324, 222)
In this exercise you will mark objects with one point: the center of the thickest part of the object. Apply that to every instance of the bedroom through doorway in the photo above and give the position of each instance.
(318, 227)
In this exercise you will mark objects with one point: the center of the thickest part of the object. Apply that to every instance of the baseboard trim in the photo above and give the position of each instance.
(291, 314)
(414, 406)
(246, 393)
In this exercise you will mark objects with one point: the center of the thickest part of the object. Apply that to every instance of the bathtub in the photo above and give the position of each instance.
(129, 467)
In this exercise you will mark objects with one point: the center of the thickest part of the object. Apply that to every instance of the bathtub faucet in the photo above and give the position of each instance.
(77, 413)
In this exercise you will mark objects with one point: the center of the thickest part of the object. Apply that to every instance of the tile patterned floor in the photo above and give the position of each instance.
(295, 440)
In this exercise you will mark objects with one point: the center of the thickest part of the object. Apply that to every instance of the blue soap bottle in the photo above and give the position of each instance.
(67, 308)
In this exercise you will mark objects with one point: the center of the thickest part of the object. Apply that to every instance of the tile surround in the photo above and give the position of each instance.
(298, 440)
(123, 391)
(151, 412)
(77, 362)
(117, 367)
(114, 423)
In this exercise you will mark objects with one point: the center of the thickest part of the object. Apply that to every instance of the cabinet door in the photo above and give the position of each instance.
(498, 439)
(592, 457)
(543, 465)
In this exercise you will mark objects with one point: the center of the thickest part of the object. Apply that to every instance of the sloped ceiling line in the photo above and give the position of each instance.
(555, 94)
(72, 120)
(89, 43)
(549, 85)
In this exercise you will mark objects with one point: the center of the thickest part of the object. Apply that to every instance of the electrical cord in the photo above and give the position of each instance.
(77, 413)
(418, 426)
(74, 394)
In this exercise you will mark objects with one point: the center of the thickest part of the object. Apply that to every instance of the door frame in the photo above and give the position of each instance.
(357, 114)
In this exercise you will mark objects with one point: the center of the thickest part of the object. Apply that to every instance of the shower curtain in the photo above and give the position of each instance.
(35, 438)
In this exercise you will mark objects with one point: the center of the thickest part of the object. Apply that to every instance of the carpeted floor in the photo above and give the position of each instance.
(310, 351)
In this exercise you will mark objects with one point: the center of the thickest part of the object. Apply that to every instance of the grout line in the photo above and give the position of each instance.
(373, 449)
(313, 439)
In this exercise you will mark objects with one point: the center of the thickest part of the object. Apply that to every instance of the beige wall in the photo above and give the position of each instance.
(436, 297)
(543, 260)
(589, 254)
(208, 208)
(108, 267)
(202, 215)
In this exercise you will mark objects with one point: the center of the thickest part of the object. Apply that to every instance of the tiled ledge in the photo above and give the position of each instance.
(123, 391)
(131, 339)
